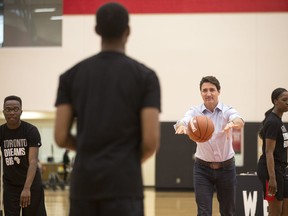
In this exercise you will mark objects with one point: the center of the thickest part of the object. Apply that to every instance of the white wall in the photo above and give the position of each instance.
(248, 52)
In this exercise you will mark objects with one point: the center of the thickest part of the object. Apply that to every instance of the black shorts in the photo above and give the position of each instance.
(107, 207)
(281, 179)
(11, 200)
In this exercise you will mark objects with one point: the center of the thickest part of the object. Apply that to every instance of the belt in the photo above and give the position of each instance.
(216, 165)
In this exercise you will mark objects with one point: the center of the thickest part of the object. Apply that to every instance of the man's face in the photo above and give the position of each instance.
(209, 94)
(12, 112)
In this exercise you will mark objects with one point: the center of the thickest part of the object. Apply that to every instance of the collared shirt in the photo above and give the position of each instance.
(219, 148)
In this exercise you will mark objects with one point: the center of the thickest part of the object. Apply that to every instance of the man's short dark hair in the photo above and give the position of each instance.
(211, 79)
(111, 20)
(13, 97)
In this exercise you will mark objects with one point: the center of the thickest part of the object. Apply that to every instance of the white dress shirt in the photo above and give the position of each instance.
(219, 148)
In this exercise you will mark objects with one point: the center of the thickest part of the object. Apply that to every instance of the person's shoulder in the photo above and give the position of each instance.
(272, 123)
(77, 66)
(2, 127)
(224, 107)
(198, 107)
(140, 65)
(27, 125)
(89, 59)
(273, 119)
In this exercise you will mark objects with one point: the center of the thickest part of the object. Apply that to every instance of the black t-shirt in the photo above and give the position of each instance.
(107, 92)
(15, 145)
(275, 129)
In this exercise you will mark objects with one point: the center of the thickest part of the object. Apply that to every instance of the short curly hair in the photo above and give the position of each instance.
(13, 97)
(112, 20)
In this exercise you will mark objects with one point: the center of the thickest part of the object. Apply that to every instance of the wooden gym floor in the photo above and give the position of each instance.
(156, 203)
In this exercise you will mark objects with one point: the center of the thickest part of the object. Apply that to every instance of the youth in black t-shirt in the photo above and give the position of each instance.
(116, 103)
(275, 129)
(272, 164)
(20, 142)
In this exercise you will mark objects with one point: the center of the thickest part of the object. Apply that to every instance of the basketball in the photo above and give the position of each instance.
(200, 128)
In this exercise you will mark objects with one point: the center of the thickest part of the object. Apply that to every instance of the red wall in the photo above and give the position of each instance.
(179, 6)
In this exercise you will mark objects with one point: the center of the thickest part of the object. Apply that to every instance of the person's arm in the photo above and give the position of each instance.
(181, 125)
(63, 124)
(236, 123)
(180, 128)
(25, 196)
(150, 132)
(272, 184)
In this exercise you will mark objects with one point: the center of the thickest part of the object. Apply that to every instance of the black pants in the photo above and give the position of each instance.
(281, 179)
(11, 199)
(107, 207)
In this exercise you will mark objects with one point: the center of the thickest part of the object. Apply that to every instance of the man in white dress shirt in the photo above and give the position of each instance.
(214, 160)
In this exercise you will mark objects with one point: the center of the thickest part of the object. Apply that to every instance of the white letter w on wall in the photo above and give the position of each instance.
(250, 202)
